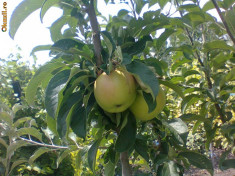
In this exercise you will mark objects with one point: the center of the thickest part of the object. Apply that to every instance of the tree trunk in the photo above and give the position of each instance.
(212, 155)
(126, 168)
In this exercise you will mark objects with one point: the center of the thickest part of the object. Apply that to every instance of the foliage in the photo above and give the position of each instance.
(19, 138)
(14, 75)
(198, 67)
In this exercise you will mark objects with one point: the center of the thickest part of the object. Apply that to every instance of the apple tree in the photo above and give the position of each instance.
(104, 62)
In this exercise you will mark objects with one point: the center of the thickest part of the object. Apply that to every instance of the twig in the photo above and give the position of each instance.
(45, 145)
(223, 21)
(54, 146)
(96, 33)
(133, 8)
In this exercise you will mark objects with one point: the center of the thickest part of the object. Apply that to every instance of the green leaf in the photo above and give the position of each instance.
(190, 117)
(229, 17)
(126, 59)
(188, 101)
(139, 5)
(189, 7)
(43, 73)
(153, 62)
(106, 1)
(46, 6)
(21, 12)
(66, 44)
(228, 128)
(38, 153)
(228, 164)
(226, 4)
(56, 28)
(217, 44)
(195, 127)
(3, 142)
(67, 99)
(14, 146)
(142, 149)
(146, 76)
(194, 18)
(152, 27)
(208, 6)
(64, 110)
(21, 121)
(51, 124)
(30, 131)
(162, 3)
(3, 161)
(174, 87)
(40, 48)
(109, 169)
(71, 46)
(168, 169)
(137, 47)
(230, 76)
(63, 156)
(161, 158)
(163, 37)
(55, 85)
(179, 129)
(150, 102)
(78, 120)
(17, 163)
(6, 118)
(152, 2)
(220, 60)
(109, 42)
(92, 152)
(126, 137)
(191, 72)
(110, 154)
(193, 80)
(222, 158)
(198, 160)
(76, 77)
(210, 133)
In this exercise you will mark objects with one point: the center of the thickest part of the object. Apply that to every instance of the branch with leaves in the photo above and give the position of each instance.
(206, 71)
(223, 21)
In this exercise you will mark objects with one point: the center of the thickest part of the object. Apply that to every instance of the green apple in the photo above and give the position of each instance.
(140, 108)
(115, 92)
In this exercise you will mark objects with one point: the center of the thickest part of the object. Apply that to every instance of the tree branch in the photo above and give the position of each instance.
(133, 8)
(209, 82)
(96, 33)
(223, 21)
(126, 168)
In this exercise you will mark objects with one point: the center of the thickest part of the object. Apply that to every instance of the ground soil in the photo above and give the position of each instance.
(217, 171)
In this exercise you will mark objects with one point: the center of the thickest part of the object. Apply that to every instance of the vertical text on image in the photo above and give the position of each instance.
(4, 15)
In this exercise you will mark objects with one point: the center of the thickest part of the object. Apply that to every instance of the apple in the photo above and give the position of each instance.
(140, 108)
(115, 92)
